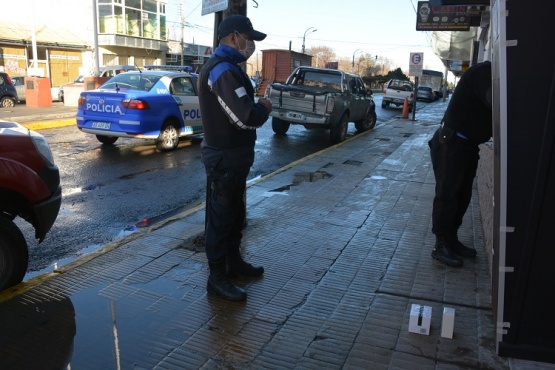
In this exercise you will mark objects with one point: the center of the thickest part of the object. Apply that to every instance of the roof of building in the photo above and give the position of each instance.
(18, 33)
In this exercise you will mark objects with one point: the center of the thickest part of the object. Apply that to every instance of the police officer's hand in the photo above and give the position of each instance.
(266, 103)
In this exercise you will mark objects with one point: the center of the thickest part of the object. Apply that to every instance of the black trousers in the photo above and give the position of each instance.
(225, 210)
(454, 162)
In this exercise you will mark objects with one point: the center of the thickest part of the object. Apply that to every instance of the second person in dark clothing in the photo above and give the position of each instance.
(230, 118)
(454, 152)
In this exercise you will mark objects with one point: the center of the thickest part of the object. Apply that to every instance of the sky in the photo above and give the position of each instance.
(383, 28)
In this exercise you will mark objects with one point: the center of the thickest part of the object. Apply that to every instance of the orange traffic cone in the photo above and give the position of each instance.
(406, 109)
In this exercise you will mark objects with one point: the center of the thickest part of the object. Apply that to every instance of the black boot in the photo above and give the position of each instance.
(443, 254)
(459, 248)
(237, 267)
(219, 284)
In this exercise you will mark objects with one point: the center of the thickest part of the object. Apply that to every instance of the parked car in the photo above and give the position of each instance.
(77, 82)
(396, 91)
(107, 71)
(19, 83)
(8, 93)
(425, 93)
(29, 189)
(151, 104)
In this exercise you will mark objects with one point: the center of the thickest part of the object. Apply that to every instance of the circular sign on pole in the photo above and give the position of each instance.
(415, 64)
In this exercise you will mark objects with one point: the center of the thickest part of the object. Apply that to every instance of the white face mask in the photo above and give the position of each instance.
(249, 49)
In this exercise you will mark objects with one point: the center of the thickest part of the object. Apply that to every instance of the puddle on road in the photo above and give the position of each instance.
(93, 248)
(70, 191)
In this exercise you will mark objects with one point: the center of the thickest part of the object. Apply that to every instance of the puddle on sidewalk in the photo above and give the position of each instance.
(114, 326)
(301, 177)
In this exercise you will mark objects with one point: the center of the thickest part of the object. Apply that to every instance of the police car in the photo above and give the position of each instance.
(157, 104)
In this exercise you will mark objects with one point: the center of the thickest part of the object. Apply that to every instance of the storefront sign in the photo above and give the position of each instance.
(213, 6)
(442, 18)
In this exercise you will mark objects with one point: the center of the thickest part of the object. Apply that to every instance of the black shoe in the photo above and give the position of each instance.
(219, 284)
(443, 254)
(237, 267)
(461, 249)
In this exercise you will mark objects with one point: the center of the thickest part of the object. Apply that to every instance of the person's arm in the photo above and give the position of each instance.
(488, 98)
(233, 98)
(481, 79)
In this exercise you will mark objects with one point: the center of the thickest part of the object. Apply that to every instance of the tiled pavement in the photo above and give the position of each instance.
(345, 239)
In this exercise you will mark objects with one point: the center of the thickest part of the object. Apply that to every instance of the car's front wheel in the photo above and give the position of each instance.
(7, 102)
(108, 140)
(280, 126)
(169, 136)
(14, 256)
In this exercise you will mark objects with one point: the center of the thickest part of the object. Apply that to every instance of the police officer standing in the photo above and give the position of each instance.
(454, 152)
(230, 118)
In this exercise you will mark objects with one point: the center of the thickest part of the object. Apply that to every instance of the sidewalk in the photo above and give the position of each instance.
(39, 117)
(345, 239)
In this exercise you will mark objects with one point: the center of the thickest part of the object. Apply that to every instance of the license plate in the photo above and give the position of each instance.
(102, 125)
(295, 115)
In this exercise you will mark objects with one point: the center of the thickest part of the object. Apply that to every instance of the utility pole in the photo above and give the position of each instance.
(234, 7)
(182, 6)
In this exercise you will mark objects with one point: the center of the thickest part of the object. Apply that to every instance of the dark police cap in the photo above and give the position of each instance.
(240, 24)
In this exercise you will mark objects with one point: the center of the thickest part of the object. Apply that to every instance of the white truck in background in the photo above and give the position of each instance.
(434, 79)
(395, 92)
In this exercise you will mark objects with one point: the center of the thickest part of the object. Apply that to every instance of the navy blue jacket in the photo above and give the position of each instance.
(230, 116)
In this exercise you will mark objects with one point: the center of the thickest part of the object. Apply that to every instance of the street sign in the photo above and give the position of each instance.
(416, 64)
(213, 6)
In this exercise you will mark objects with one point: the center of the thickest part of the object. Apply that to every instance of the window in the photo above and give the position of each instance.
(133, 4)
(142, 18)
(163, 35)
(149, 6)
(150, 26)
(133, 22)
(182, 86)
(134, 81)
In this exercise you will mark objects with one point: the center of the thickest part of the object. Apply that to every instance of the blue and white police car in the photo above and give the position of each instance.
(150, 104)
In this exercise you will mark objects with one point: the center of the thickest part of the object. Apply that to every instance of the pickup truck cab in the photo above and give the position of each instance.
(322, 98)
(396, 91)
(29, 189)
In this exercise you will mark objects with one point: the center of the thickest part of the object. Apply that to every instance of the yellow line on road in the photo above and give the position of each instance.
(50, 124)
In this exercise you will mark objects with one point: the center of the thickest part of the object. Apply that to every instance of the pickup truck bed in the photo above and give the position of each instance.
(321, 98)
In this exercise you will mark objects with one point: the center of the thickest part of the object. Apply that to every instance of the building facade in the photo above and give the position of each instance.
(69, 43)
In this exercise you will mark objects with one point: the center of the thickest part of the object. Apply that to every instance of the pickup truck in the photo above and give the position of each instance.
(322, 98)
(396, 91)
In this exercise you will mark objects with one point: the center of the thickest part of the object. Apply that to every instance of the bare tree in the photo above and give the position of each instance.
(321, 55)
